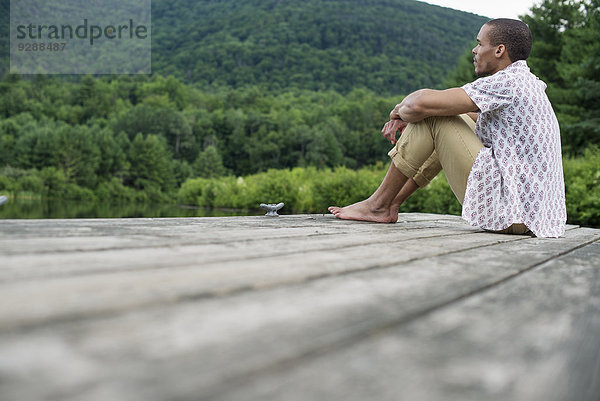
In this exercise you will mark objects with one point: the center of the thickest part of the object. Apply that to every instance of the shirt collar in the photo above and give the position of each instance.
(518, 65)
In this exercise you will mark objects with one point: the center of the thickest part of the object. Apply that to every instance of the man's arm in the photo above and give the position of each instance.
(429, 102)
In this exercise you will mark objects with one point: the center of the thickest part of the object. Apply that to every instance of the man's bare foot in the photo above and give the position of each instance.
(364, 211)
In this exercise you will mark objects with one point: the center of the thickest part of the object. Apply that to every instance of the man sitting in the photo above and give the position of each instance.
(497, 139)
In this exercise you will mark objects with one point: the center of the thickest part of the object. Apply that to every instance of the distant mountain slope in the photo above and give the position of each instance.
(390, 46)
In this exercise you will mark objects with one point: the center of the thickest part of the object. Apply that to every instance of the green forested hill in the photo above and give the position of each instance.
(388, 46)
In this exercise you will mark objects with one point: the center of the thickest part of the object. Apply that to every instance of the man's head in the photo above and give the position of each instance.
(500, 43)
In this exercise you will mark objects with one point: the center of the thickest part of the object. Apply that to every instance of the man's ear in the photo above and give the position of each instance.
(500, 51)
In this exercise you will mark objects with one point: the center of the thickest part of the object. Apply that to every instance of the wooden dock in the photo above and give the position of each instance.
(302, 307)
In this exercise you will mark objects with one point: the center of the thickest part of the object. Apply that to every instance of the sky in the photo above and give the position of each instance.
(491, 9)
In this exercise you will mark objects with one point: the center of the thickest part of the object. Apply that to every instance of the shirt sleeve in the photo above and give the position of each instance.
(491, 93)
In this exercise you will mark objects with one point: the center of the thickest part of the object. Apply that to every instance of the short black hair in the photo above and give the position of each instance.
(513, 34)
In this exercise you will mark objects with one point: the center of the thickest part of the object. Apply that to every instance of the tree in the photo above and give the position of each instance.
(150, 167)
(323, 150)
(13, 96)
(580, 67)
(37, 146)
(463, 73)
(162, 121)
(209, 163)
(114, 150)
(78, 155)
(94, 99)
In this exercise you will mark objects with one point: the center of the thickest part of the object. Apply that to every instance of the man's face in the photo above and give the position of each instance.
(485, 60)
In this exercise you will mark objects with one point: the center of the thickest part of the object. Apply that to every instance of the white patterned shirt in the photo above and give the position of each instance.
(517, 176)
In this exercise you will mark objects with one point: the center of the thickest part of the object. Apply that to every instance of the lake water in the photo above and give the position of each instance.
(52, 209)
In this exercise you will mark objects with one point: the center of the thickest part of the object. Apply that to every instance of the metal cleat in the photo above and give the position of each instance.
(272, 208)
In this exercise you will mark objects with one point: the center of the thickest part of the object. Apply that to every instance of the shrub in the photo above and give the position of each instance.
(115, 192)
(7, 184)
(54, 182)
(30, 183)
(75, 192)
(582, 185)
(276, 186)
(191, 191)
(301, 189)
(312, 190)
(343, 187)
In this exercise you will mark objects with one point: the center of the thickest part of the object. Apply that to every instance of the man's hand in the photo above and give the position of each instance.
(391, 127)
(394, 113)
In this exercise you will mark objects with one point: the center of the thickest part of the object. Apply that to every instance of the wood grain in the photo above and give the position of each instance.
(295, 308)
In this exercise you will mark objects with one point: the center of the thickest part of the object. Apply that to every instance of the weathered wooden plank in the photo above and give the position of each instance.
(49, 265)
(214, 345)
(535, 338)
(63, 298)
(47, 257)
(19, 237)
(69, 226)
